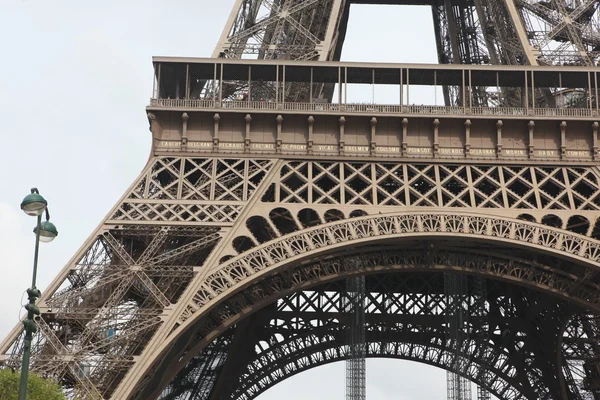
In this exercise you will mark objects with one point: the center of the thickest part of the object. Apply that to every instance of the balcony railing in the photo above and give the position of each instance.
(373, 108)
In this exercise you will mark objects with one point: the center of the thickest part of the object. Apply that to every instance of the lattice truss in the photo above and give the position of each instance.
(561, 32)
(576, 283)
(563, 197)
(148, 258)
(509, 337)
(106, 305)
(191, 190)
(555, 32)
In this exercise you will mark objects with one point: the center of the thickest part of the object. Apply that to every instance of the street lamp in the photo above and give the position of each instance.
(45, 231)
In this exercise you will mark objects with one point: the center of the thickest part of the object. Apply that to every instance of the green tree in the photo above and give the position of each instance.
(37, 388)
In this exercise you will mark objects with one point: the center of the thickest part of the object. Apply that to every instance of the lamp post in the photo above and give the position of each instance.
(45, 231)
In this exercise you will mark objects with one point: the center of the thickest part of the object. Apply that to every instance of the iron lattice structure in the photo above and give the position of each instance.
(521, 32)
(556, 32)
(472, 228)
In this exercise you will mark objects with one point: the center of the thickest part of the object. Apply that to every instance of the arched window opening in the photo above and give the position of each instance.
(527, 217)
(260, 229)
(283, 221)
(224, 259)
(242, 244)
(358, 213)
(578, 224)
(552, 220)
(309, 217)
(333, 215)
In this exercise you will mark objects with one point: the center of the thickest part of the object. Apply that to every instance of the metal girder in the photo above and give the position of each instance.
(307, 329)
(145, 276)
(509, 32)
(378, 306)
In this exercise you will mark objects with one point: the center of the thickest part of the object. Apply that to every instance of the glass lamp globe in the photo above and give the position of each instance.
(33, 204)
(47, 231)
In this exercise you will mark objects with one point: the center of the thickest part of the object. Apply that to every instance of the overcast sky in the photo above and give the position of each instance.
(75, 77)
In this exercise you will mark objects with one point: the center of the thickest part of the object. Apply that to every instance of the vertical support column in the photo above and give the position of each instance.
(373, 142)
(533, 91)
(531, 127)
(345, 87)
(435, 88)
(214, 86)
(283, 88)
(468, 138)
(563, 139)
(590, 101)
(597, 93)
(216, 119)
(470, 92)
(187, 81)
(276, 87)
(463, 89)
(373, 86)
(184, 117)
(311, 122)
(436, 142)
(404, 135)
(499, 138)
(340, 87)
(401, 91)
(278, 139)
(248, 119)
(595, 126)
(561, 96)
(311, 85)
(342, 139)
(158, 81)
(526, 88)
(221, 86)
(408, 87)
(249, 94)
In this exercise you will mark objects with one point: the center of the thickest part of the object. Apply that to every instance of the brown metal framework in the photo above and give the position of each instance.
(473, 225)
(557, 32)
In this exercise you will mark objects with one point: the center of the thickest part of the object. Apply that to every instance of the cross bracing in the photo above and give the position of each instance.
(404, 319)
(226, 259)
(129, 278)
(524, 32)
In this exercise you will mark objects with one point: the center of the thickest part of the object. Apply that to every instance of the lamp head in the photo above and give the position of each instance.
(34, 204)
(47, 231)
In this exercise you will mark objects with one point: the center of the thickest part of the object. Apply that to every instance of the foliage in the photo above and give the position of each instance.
(37, 388)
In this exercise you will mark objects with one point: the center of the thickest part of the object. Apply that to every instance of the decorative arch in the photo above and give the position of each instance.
(265, 261)
(315, 241)
(320, 338)
(331, 350)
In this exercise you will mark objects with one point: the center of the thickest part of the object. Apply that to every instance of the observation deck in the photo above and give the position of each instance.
(314, 109)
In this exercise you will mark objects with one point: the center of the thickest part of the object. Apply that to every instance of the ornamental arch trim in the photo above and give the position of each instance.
(266, 259)
(318, 240)
(429, 354)
(241, 270)
(311, 275)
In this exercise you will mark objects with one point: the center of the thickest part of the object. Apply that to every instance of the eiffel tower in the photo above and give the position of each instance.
(469, 230)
